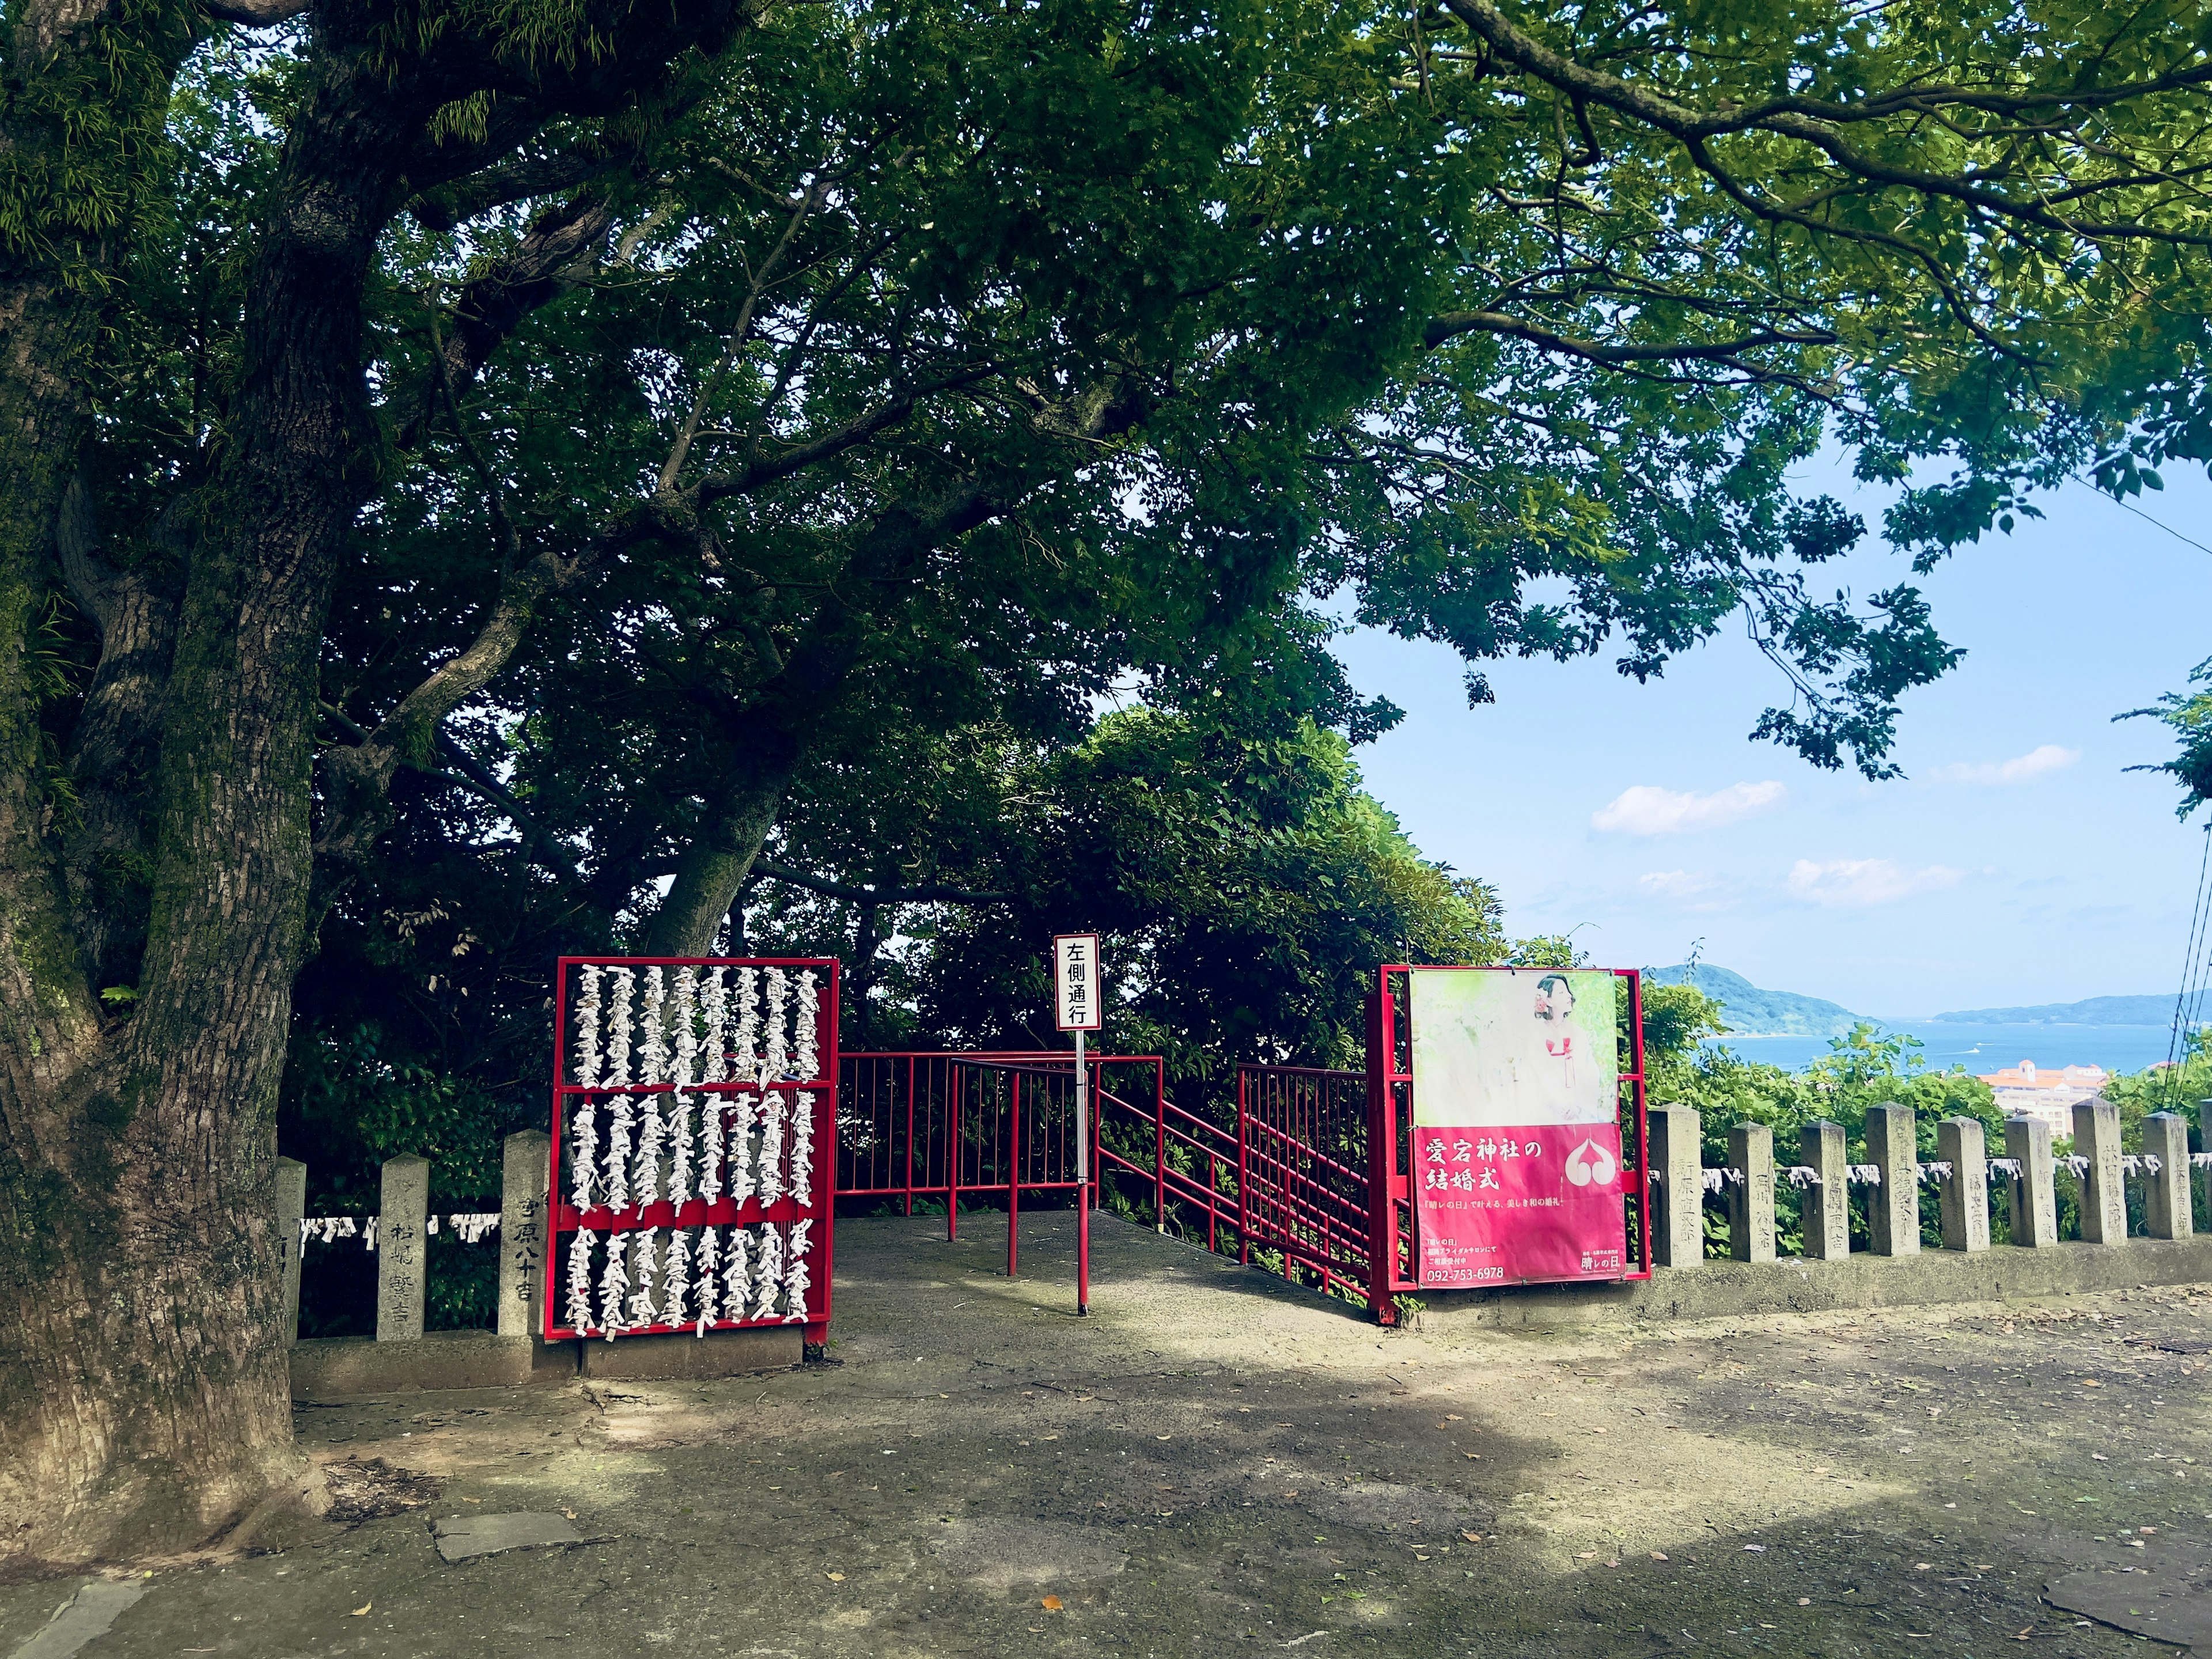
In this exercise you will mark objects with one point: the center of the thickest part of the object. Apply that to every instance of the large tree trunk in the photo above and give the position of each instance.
(143, 1377)
(152, 1406)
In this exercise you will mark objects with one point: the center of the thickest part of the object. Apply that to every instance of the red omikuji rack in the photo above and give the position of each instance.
(816, 1096)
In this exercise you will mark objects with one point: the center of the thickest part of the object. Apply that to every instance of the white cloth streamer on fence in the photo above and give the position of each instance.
(619, 982)
(767, 1279)
(807, 1059)
(802, 1149)
(2077, 1163)
(736, 1274)
(1800, 1176)
(2007, 1167)
(329, 1229)
(679, 1275)
(768, 1177)
(471, 1225)
(578, 1311)
(583, 1160)
(710, 1277)
(2201, 1160)
(1863, 1174)
(587, 1027)
(1933, 1171)
(744, 1061)
(775, 1052)
(795, 1283)
(642, 1309)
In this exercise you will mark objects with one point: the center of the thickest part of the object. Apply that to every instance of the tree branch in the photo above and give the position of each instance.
(927, 894)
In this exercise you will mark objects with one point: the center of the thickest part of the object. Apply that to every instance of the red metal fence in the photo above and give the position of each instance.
(1312, 1168)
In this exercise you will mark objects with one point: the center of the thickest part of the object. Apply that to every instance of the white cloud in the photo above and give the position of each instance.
(1690, 890)
(1648, 810)
(1855, 883)
(2037, 763)
(1676, 883)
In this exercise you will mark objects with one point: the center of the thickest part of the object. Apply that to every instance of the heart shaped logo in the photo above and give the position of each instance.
(1590, 1163)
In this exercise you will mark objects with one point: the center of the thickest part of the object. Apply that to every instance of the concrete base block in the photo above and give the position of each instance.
(343, 1367)
(674, 1358)
(1731, 1289)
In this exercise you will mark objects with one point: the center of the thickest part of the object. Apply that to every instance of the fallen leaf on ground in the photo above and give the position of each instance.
(1051, 1604)
(362, 1608)
(1472, 1537)
(1804, 1600)
(836, 1577)
(1658, 1556)
(1476, 1455)
(1586, 1555)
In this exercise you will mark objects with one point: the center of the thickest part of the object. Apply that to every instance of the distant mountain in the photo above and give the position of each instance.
(1751, 1012)
(2095, 1011)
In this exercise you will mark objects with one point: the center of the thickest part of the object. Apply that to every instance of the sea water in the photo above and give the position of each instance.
(1984, 1049)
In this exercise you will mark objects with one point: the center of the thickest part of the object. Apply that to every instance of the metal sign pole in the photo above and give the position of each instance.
(1082, 1181)
(1077, 1008)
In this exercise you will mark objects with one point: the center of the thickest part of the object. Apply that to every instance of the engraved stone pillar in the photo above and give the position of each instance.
(2104, 1189)
(1678, 1200)
(1963, 1201)
(2032, 1202)
(2167, 1200)
(291, 1210)
(1893, 1148)
(1751, 1205)
(1827, 1210)
(525, 1173)
(400, 1249)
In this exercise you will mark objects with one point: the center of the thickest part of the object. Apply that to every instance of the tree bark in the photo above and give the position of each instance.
(143, 1375)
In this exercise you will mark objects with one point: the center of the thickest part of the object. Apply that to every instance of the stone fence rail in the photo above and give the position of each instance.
(1961, 1175)
(400, 1230)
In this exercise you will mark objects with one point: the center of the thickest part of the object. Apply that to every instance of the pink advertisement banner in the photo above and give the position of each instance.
(1516, 1135)
(1530, 1201)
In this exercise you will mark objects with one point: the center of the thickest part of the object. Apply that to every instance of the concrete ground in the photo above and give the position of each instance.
(1215, 1463)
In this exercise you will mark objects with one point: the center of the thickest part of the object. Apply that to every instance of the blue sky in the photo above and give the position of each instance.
(2017, 862)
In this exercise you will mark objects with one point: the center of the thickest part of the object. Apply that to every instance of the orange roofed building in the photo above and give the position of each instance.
(2028, 1091)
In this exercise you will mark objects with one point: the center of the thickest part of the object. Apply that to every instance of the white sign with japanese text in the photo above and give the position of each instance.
(1075, 988)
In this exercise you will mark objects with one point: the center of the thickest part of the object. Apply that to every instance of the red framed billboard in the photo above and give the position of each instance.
(1524, 1141)
(694, 1149)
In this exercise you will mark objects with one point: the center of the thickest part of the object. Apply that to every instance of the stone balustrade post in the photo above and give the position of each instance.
(291, 1210)
(1826, 1211)
(401, 1246)
(1678, 1198)
(526, 1177)
(1751, 1202)
(2031, 1199)
(1963, 1201)
(2167, 1207)
(1893, 1147)
(2103, 1188)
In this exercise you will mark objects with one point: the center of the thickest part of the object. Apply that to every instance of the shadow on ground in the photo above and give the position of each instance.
(1214, 1461)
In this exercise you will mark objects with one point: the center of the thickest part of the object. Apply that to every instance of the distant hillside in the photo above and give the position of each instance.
(2095, 1011)
(1753, 1012)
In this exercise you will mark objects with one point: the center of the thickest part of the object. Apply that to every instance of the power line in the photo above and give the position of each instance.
(2129, 506)
(2192, 965)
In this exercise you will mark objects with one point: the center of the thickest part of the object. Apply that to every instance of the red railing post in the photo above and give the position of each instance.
(952, 1153)
(1160, 1157)
(1382, 1157)
(1243, 1178)
(910, 1135)
(1014, 1175)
